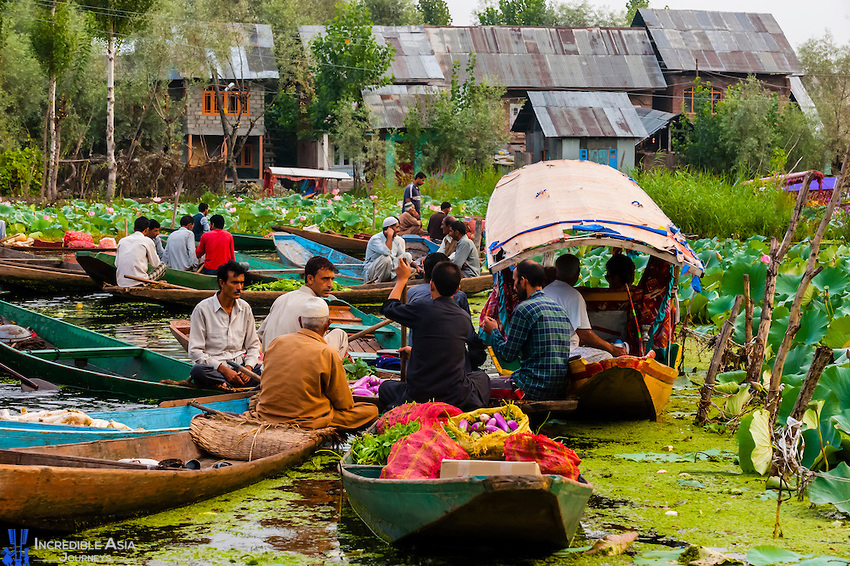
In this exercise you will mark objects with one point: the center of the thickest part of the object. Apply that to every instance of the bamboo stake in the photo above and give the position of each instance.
(777, 253)
(748, 312)
(823, 356)
(707, 388)
(774, 395)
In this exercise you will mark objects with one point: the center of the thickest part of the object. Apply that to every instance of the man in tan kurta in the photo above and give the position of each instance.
(409, 222)
(304, 382)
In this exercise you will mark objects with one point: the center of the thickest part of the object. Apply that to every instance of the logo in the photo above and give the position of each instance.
(19, 556)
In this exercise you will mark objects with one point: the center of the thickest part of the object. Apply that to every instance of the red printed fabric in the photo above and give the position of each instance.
(419, 455)
(78, 240)
(552, 457)
(426, 413)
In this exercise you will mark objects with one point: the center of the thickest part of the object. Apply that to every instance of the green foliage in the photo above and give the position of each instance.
(579, 13)
(286, 285)
(393, 12)
(356, 369)
(632, 6)
(516, 13)
(349, 133)
(347, 59)
(375, 449)
(20, 171)
(826, 76)
(465, 125)
(435, 12)
(116, 17)
(53, 38)
(748, 133)
(832, 487)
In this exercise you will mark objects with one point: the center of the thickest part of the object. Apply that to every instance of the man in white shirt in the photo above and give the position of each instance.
(383, 252)
(135, 255)
(563, 292)
(223, 330)
(284, 316)
(180, 252)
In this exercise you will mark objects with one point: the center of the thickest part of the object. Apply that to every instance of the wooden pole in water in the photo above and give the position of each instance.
(716, 361)
(748, 313)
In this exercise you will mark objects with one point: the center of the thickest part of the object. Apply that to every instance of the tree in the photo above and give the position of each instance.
(435, 12)
(517, 13)
(392, 12)
(54, 42)
(632, 6)
(827, 79)
(465, 125)
(346, 59)
(350, 134)
(582, 14)
(113, 18)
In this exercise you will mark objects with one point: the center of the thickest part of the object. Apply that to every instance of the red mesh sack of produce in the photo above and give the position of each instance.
(426, 413)
(419, 455)
(77, 237)
(552, 457)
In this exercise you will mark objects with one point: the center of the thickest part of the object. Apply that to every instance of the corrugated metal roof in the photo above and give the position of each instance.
(414, 61)
(388, 105)
(573, 114)
(801, 96)
(551, 58)
(653, 120)
(730, 42)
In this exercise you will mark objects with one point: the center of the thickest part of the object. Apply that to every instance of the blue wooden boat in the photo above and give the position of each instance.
(160, 420)
(295, 251)
(422, 241)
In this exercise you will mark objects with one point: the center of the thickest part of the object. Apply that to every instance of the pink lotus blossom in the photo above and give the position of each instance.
(335, 191)
(157, 199)
(90, 213)
(231, 210)
(337, 197)
(398, 203)
(228, 204)
(302, 218)
(284, 211)
(292, 221)
(238, 199)
(434, 207)
(373, 197)
(110, 210)
(268, 208)
(765, 259)
(46, 217)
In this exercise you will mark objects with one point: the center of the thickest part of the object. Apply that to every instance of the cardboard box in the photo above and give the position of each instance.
(464, 468)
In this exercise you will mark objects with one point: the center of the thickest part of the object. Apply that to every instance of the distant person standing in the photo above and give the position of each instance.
(180, 253)
(412, 193)
(435, 223)
(217, 245)
(201, 223)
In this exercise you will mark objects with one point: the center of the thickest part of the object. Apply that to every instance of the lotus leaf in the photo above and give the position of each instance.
(832, 487)
(838, 333)
(766, 555)
(659, 557)
(754, 442)
(736, 403)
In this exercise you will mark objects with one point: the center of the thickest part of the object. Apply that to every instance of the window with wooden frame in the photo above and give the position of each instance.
(689, 101)
(245, 159)
(233, 101)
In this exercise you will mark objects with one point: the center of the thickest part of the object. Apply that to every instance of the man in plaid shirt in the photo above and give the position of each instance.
(538, 333)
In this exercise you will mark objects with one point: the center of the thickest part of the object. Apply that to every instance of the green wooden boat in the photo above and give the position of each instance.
(480, 510)
(241, 241)
(84, 359)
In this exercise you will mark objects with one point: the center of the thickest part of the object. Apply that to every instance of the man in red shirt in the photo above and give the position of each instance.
(217, 244)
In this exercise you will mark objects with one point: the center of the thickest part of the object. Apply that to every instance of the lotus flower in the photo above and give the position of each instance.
(302, 218)
(373, 197)
(231, 210)
(765, 259)
(292, 221)
(337, 197)
(46, 217)
(110, 210)
(335, 191)
(238, 199)
(228, 204)
(90, 213)
(157, 199)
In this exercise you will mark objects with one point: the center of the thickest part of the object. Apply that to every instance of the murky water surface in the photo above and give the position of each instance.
(302, 517)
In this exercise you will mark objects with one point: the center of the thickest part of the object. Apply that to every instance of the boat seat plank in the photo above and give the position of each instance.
(352, 328)
(78, 353)
(62, 460)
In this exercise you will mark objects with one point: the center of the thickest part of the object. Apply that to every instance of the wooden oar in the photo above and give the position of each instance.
(163, 283)
(28, 384)
(243, 369)
(370, 330)
(210, 410)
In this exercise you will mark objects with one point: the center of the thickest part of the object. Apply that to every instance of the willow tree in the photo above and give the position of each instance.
(55, 43)
(114, 19)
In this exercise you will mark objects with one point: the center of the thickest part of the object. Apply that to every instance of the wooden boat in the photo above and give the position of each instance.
(143, 422)
(344, 316)
(241, 241)
(33, 273)
(262, 300)
(46, 246)
(419, 246)
(296, 251)
(351, 246)
(83, 359)
(486, 510)
(525, 222)
(65, 487)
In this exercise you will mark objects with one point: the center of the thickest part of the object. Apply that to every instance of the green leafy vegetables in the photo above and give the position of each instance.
(375, 449)
(286, 285)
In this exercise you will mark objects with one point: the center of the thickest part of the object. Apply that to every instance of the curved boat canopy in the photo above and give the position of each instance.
(550, 205)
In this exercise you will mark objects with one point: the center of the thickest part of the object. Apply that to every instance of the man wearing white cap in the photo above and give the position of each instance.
(383, 252)
(304, 382)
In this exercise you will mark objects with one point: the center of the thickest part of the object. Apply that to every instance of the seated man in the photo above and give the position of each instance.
(136, 255)
(435, 223)
(153, 234)
(538, 333)
(422, 292)
(448, 245)
(409, 222)
(222, 330)
(216, 245)
(180, 253)
(319, 275)
(383, 253)
(201, 224)
(305, 383)
(465, 255)
(563, 292)
(437, 367)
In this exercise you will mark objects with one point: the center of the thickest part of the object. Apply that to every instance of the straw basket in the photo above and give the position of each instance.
(238, 438)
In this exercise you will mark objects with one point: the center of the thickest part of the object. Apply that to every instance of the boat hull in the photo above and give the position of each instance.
(295, 251)
(543, 510)
(344, 244)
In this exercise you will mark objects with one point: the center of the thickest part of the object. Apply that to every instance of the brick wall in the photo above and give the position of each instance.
(198, 124)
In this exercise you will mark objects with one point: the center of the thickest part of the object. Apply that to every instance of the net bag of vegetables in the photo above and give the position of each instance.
(552, 457)
(426, 413)
(419, 455)
(482, 432)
